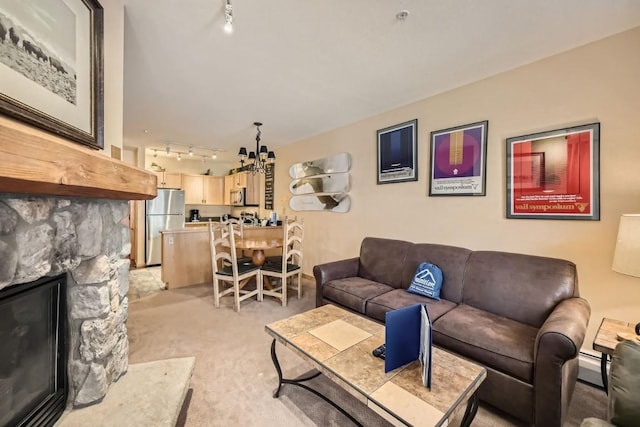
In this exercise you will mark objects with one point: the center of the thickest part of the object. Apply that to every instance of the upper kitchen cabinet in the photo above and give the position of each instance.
(252, 195)
(214, 190)
(169, 179)
(246, 180)
(228, 186)
(240, 179)
(203, 189)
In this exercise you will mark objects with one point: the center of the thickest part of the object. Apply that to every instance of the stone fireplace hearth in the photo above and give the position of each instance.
(88, 239)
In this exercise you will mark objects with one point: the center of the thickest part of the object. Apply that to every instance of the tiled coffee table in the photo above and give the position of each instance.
(338, 344)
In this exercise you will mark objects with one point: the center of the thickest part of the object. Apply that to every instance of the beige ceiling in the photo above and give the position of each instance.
(304, 67)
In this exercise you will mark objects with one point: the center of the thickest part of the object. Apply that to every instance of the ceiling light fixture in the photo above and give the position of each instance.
(191, 150)
(214, 155)
(258, 158)
(168, 149)
(179, 156)
(155, 153)
(228, 18)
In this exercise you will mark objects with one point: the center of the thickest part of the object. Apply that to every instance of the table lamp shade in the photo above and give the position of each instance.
(626, 258)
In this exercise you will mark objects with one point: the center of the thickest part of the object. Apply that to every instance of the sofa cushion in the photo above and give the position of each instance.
(353, 292)
(450, 259)
(500, 343)
(427, 281)
(521, 287)
(398, 298)
(382, 260)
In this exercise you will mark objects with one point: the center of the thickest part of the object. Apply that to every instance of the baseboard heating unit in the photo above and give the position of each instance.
(590, 368)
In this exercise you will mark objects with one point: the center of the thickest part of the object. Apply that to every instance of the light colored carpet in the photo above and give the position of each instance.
(234, 377)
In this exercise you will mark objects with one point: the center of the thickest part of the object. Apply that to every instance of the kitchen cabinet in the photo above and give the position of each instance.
(240, 179)
(169, 179)
(214, 190)
(246, 180)
(252, 195)
(203, 189)
(228, 186)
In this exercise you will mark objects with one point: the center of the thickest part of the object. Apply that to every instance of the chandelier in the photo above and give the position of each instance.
(259, 158)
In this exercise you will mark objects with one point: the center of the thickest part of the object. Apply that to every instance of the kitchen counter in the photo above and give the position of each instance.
(186, 256)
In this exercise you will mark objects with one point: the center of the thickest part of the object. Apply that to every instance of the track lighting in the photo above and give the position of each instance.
(228, 18)
(192, 150)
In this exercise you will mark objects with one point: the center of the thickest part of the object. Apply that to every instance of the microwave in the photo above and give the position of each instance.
(238, 197)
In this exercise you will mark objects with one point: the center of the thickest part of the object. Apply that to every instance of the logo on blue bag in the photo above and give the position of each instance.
(427, 281)
(425, 278)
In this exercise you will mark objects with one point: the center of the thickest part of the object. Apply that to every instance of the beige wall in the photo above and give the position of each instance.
(597, 82)
(113, 74)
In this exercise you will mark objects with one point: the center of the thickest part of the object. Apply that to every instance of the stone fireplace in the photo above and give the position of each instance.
(88, 240)
(64, 211)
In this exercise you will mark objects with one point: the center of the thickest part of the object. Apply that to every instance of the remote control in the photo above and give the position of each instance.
(379, 351)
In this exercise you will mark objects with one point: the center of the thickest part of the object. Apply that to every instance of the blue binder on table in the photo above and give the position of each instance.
(408, 336)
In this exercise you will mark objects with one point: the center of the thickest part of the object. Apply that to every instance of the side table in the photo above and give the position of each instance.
(605, 342)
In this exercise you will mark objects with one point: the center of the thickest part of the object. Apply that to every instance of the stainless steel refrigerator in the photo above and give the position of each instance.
(165, 212)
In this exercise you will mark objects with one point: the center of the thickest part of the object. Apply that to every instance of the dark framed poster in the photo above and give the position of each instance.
(268, 186)
(459, 160)
(51, 67)
(397, 153)
(555, 174)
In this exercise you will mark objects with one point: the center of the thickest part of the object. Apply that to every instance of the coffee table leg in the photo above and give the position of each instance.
(298, 382)
(470, 412)
(603, 372)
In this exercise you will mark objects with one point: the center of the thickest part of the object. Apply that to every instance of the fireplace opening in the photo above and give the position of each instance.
(33, 359)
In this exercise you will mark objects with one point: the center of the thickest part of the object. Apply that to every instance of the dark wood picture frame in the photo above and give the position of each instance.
(81, 121)
(555, 174)
(459, 160)
(398, 153)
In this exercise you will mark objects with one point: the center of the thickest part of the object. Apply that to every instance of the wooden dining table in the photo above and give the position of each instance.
(258, 246)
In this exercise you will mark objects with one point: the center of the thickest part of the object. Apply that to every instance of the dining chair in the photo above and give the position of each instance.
(238, 230)
(291, 263)
(226, 269)
(276, 260)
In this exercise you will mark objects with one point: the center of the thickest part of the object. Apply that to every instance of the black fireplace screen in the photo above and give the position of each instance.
(33, 374)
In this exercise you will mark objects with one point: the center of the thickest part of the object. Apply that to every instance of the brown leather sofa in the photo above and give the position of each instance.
(518, 315)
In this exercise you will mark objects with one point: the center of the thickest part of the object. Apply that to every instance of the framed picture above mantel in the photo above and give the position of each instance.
(51, 67)
(555, 174)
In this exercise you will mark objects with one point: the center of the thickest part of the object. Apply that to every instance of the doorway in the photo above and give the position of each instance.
(130, 157)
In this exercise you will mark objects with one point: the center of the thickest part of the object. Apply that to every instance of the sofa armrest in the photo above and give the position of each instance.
(332, 271)
(556, 359)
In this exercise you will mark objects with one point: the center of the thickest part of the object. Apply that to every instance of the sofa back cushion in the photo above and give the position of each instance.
(382, 260)
(521, 287)
(450, 259)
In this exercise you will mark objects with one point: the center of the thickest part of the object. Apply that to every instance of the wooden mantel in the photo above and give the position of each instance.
(35, 162)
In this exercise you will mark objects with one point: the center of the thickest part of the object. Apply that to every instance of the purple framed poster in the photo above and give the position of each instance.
(458, 160)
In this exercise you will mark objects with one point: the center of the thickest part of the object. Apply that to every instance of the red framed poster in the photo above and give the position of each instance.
(555, 174)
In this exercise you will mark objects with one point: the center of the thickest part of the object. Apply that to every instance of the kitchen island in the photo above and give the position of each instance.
(186, 257)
